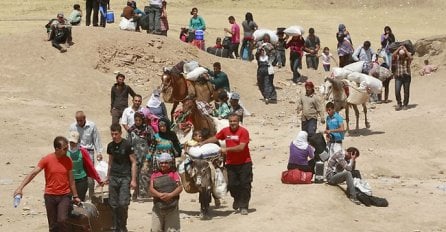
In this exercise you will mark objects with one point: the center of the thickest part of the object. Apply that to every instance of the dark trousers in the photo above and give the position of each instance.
(386, 83)
(265, 82)
(310, 126)
(116, 115)
(280, 58)
(154, 13)
(82, 187)
(295, 64)
(92, 5)
(234, 51)
(119, 200)
(402, 81)
(239, 184)
(312, 61)
(345, 60)
(326, 67)
(57, 209)
(66, 38)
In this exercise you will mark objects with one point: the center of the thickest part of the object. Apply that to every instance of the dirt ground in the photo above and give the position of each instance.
(402, 154)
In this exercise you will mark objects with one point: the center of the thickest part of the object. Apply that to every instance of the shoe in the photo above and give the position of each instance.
(266, 101)
(398, 108)
(354, 200)
(244, 211)
(235, 205)
(62, 50)
(405, 108)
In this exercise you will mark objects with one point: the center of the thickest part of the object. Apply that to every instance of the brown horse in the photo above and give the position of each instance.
(175, 88)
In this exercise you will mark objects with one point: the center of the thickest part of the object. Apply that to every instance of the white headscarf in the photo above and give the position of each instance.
(301, 140)
(154, 101)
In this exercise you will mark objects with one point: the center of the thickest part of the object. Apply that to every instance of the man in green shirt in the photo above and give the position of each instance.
(218, 78)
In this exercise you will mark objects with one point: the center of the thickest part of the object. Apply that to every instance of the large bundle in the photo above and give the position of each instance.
(208, 150)
(380, 72)
(294, 31)
(357, 95)
(194, 74)
(370, 82)
(220, 52)
(260, 33)
(406, 43)
(340, 73)
(127, 25)
(355, 67)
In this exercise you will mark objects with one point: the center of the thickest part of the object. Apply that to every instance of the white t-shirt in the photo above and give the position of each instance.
(156, 2)
(128, 116)
(326, 58)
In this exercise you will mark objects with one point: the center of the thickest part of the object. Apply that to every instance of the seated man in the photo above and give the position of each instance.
(60, 33)
(339, 170)
(130, 17)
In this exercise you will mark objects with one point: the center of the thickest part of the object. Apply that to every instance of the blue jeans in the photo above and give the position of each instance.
(403, 81)
(310, 126)
(295, 62)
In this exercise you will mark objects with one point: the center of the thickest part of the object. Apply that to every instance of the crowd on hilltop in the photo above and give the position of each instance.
(144, 145)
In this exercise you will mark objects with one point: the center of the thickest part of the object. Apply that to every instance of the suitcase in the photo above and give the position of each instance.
(81, 217)
(104, 220)
(319, 170)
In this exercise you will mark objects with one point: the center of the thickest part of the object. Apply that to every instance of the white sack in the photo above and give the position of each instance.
(219, 187)
(355, 67)
(294, 31)
(206, 151)
(372, 83)
(340, 73)
(194, 74)
(259, 33)
(127, 25)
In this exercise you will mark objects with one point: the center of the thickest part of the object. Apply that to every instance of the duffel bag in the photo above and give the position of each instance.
(296, 176)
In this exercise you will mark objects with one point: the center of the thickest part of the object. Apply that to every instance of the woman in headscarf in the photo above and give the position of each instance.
(165, 141)
(386, 39)
(265, 55)
(156, 106)
(140, 136)
(301, 154)
(345, 46)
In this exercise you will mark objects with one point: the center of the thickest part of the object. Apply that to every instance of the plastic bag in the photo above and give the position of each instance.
(363, 186)
(219, 187)
(102, 169)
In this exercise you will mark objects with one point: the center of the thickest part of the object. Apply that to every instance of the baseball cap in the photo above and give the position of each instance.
(164, 157)
(73, 137)
(235, 96)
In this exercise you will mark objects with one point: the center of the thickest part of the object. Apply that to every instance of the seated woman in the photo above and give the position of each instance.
(301, 154)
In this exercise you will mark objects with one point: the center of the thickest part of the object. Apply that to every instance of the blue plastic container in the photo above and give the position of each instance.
(199, 35)
(110, 16)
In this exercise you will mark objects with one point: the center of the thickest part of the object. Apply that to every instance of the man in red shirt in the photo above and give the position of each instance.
(59, 184)
(235, 37)
(238, 162)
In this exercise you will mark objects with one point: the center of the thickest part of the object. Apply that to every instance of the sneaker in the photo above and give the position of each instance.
(405, 108)
(62, 50)
(244, 211)
(354, 200)
(398, 107)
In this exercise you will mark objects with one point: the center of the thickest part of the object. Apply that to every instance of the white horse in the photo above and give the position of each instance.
(334, 90)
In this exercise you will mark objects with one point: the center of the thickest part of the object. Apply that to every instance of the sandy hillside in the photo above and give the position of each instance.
(402, 154)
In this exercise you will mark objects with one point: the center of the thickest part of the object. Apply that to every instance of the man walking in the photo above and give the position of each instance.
(128, 116)
(312, 46)
(121, 177)
(59, 184)
(89, 139)
(235, 37)
(119, 98)
(238, 162)
(309, 105)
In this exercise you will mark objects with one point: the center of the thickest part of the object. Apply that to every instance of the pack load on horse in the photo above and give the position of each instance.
(202, 171)
(345, 94)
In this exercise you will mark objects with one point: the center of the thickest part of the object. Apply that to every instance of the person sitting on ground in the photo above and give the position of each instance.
(61, 33)
(128, 14)
(218, 43)
(76, 15)
(339, 170)
(184, 34)
(222, 111)
(235, 106)
(165, 188)
(301, 154)
(428, 68)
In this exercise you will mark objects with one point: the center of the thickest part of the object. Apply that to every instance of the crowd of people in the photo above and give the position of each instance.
(145, 160)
